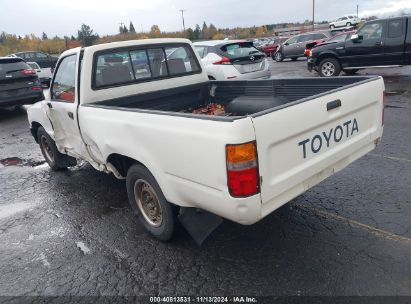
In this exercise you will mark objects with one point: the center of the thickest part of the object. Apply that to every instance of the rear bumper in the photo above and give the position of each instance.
(22, 99)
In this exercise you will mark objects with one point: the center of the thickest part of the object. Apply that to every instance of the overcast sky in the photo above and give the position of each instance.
(64, 17)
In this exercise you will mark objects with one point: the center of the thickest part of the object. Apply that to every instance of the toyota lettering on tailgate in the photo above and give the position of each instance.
(323, 140)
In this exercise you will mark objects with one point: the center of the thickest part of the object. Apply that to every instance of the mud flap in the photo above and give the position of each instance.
(199, 223)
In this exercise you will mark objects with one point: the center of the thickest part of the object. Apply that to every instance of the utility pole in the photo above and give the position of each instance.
(313, 13)
(182, 17)
(357, 10)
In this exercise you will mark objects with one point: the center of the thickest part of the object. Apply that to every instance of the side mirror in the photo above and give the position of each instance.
(286, 43)
(356, 38)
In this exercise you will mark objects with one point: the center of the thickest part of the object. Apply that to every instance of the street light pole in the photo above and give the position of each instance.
(357, 10)
(313, 12)
(182, 17)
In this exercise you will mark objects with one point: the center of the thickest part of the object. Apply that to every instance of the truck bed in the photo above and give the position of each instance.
(255, 93)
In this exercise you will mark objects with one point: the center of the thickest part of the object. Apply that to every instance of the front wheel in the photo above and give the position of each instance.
(149, 204)
(348, 24)
(329, 67)
(278, 56)
(53, 157)
(332, 26)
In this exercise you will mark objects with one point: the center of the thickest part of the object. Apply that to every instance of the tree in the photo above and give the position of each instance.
(44, 36)
(204, 31)
(86, 36)
(190, 34)
(132, 29)
(197, 32)
(212, 30)
(155, 31)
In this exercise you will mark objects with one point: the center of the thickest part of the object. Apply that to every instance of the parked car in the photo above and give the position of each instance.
(263, 144)
(294, 47)
(43, 74)
(345, 21)
(342, 36)
(44, 60)
(225, 59)
(19, 83)
(270, 48)
(382, 42)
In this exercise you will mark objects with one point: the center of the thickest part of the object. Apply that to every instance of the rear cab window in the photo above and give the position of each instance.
(131, 65)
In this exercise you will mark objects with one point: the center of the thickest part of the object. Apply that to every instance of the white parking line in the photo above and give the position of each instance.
(373, 230)
(391, 157)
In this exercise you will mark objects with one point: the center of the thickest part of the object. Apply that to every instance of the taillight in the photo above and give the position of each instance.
(242, 169)
(384, 100)
(224, 60)
(29, 72)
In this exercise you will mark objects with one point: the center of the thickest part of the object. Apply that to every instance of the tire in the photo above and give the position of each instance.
(294, 58)
(348, 24)
(278, 56)
(332, 26)
(329, 67)
(351, 71)
(55, 159)
(149, 204)
(211, 78)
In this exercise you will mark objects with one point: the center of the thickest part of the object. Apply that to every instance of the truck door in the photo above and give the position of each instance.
(368, 49)
(394, 41)
(63, 105)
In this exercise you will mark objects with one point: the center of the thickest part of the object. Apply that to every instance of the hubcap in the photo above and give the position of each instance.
(46, 148)
(328, 69)
(278, 56)
(148, 203)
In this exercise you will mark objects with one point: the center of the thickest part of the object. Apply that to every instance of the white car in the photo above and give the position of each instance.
(230, 60)
(345, 21)
(44, 74)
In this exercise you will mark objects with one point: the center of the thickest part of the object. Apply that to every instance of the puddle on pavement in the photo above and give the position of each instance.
(16, 161)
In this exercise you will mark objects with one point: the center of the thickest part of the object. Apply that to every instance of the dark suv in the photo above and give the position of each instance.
(19, 84)
(42, 59)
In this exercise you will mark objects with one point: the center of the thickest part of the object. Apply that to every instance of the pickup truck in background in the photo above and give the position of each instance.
(232, 149)
(378, 43)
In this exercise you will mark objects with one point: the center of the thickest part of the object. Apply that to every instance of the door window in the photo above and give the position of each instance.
(304, 38)
(371, 31)
(292, 40)
(202, 50)
(395, 28)
(64, 82)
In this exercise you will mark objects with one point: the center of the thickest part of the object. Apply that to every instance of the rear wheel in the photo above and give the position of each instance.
(351, 71)
(348, 24)
(278, 56)
(329, 67)
(53, 157)
(149, 204)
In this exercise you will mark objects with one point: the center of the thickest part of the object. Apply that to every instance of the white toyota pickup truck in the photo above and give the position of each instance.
(146, 111)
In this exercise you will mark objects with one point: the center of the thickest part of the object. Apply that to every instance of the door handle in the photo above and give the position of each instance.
(70, 114)
(333, 104)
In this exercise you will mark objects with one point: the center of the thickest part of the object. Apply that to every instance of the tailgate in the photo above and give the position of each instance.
(300, 145)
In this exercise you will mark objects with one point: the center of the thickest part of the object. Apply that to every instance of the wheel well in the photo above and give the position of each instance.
(122, 163)
(211, 78)
(34, 128)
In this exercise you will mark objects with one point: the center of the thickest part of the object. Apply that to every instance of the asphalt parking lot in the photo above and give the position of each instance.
(73, 233)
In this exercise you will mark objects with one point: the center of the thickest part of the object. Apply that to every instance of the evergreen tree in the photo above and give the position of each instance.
(132, 29)
(197, 31)
(86, 36)
(204, 31)
(44, 36)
